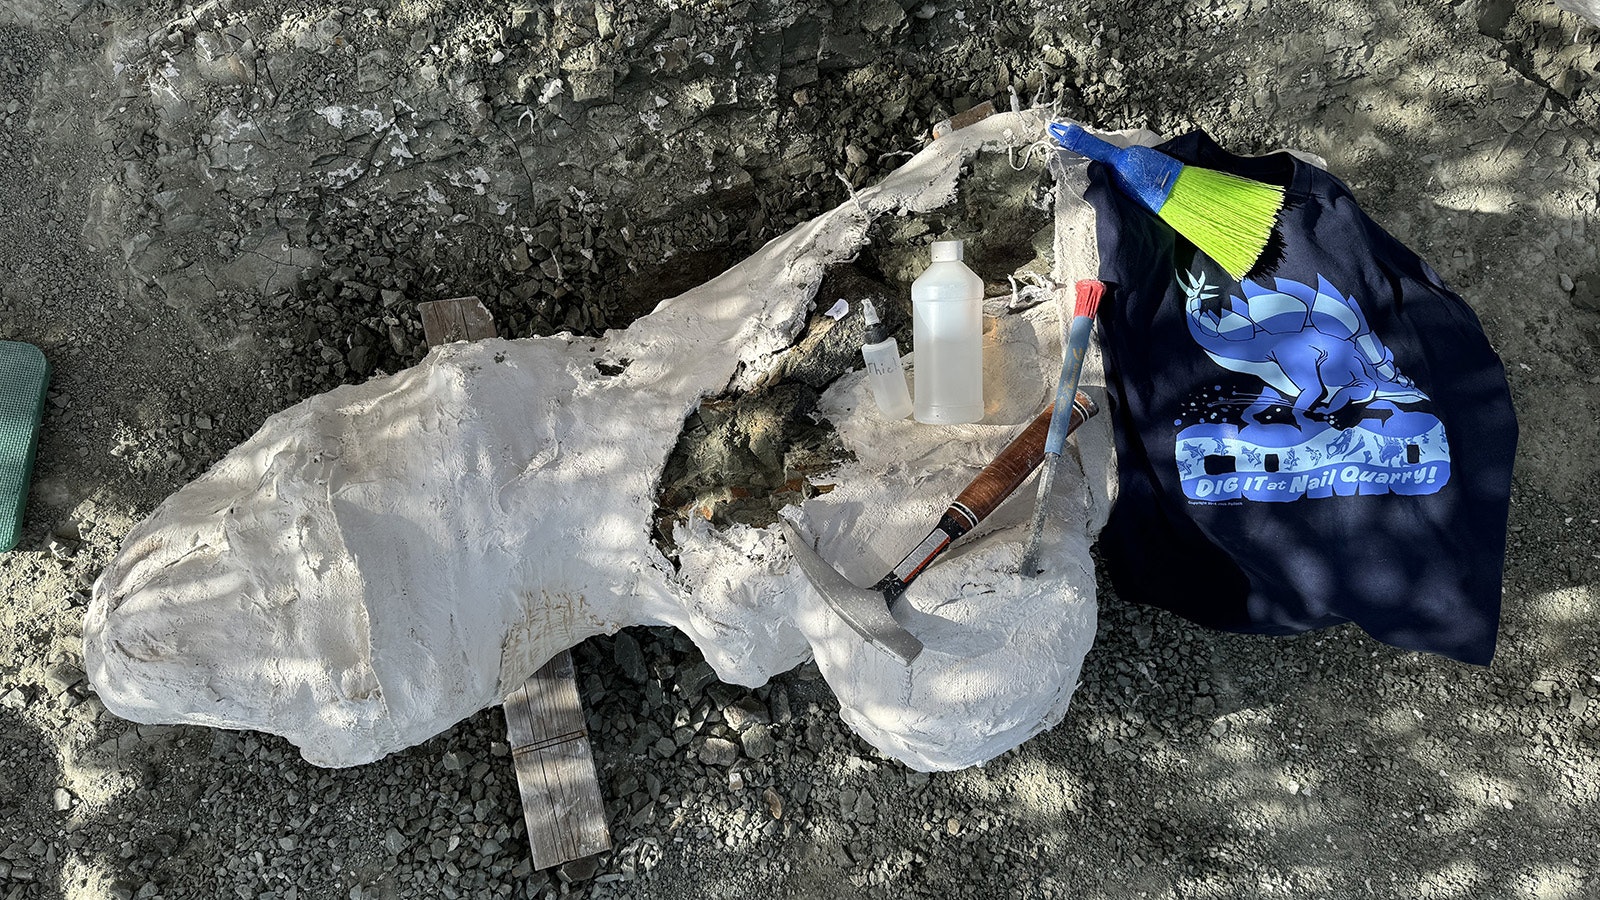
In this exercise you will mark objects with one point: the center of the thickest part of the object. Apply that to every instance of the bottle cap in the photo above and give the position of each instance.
(947, 251)
(876, 333)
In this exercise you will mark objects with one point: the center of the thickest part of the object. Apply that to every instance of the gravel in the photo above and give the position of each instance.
(211, 210)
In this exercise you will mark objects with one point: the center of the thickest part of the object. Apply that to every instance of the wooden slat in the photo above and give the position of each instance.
(561, 800)
(961, 120)
(456, 319)
(554, 712)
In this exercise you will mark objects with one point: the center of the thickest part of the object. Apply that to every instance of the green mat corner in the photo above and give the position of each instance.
(24, 376)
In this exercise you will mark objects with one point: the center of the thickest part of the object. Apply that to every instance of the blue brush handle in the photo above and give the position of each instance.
(1067, 388)
(1144, 174)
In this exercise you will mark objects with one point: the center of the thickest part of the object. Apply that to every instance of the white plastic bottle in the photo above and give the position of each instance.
(885, 373)
(947, 336)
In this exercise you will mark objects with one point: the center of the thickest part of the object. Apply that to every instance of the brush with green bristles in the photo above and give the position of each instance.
(1229, 218)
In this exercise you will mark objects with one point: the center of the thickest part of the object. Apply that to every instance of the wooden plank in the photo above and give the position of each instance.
(456, 319)
(961, 120)
(555, 713)
(556, 777)
(561, 799)
(570, 772)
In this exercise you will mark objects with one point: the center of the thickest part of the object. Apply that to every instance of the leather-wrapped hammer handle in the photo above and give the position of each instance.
(983, 495)
(1015, 463)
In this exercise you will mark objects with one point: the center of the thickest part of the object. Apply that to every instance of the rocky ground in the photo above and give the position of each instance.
(209, 210)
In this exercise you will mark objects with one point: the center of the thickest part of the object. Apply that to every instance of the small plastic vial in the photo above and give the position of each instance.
(947, 336)
(885, 373)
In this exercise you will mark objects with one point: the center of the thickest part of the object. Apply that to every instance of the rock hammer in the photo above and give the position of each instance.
(867, 610)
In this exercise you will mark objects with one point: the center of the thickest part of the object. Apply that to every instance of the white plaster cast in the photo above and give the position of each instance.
(381, 561)
(1589, 9)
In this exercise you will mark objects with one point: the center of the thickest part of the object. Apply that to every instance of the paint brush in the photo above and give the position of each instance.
(1228, 217)
(1088, 300)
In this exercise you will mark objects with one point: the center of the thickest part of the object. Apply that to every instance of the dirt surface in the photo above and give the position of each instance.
(209, 210)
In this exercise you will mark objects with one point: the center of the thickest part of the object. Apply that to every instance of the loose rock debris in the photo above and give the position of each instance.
(1467, 130)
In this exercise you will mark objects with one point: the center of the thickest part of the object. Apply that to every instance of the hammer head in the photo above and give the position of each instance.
(865, 610)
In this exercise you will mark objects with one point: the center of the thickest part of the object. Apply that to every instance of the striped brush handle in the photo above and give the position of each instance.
(1087, 302)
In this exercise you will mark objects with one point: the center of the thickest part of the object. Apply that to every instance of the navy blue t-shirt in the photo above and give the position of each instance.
(1329, 440)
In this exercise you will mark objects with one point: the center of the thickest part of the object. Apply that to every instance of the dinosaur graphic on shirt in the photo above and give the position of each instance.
(1324, 409)
(1311, 348)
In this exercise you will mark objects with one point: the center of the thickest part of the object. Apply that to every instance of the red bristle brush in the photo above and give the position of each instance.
(1089, 293)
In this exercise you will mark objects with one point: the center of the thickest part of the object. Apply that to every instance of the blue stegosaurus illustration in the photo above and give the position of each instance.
(1323, 409)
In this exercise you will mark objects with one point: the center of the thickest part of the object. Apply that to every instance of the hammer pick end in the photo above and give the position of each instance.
(862, 609)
